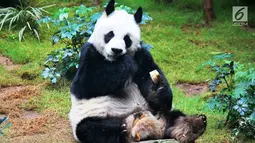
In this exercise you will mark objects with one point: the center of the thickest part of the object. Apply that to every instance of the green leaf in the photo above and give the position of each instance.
(223, 56)
(240, 89)
(36, 34)
(252, 116)
(82, 9)
(63, 16)
(54, 80)
(208, 63)
(21, 33)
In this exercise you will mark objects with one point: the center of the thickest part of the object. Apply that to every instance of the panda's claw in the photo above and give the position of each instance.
(137, 137)
(124, 131)
(124, 126)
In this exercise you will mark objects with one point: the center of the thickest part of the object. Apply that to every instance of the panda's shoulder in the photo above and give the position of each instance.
(88, 50)
(143, 57)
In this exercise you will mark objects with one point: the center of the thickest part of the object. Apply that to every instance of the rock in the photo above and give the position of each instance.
(160, 141)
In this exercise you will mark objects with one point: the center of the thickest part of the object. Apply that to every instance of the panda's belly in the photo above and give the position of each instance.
(124, 103)
(129, 101)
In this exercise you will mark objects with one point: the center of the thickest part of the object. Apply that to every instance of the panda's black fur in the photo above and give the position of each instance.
(162, 100)
(99, 77)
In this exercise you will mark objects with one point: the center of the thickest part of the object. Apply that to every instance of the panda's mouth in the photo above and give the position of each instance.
(114, 57)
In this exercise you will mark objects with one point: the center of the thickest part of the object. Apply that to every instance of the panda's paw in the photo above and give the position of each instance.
(142, 56)
(137, 133)
(147, 128)
(143, 130)
(140, 115)
(188, 128)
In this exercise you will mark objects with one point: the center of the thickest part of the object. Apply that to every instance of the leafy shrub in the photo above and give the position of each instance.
(76, 25)
(25, 15)
(234, 86)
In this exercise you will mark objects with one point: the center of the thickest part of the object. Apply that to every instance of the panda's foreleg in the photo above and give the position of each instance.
(99, 130)
(159, 98)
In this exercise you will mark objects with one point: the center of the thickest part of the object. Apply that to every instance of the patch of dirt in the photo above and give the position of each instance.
(8, 64)
(193, 29)
(204, 43)
(28, 76)
(31, 126)
(45, 127)
(11, 99)
(193, 89)
(5, 61)
(31, 115)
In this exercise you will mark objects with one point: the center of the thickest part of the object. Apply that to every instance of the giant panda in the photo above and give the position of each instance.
(113, 82)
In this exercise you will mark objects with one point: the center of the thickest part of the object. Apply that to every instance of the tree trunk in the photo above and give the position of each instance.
(208, 11)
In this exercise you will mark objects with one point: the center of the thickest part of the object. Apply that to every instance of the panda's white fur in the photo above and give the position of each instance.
(121, 23)
(107, 106)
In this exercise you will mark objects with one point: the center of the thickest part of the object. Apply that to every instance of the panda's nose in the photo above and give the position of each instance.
(116, 51)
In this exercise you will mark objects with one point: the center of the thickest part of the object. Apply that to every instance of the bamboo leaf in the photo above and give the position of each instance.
(29, 12)
(36, 34)
(47, 6)
(21, 33)
(4, 20)
(29, 26)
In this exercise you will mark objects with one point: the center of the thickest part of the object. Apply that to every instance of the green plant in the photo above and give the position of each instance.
(25, 16)
(61, 62)
(234, 86)
(76, 24)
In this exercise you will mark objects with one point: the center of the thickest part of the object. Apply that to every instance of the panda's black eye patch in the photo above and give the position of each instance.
(108, 36)
(128, 41)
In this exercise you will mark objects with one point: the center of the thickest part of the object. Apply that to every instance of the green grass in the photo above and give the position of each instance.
(7, 79)
(181, 43)
(197, 105)
(51, 98)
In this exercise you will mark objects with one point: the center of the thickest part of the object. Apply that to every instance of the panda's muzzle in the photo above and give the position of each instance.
(117, 51)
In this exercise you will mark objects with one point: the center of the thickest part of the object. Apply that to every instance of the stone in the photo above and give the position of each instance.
(159, 141)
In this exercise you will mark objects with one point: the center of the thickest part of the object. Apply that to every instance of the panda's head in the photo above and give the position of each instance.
(116, 32)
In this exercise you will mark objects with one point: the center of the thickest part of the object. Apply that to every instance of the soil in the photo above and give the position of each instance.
(193, 89)
(8, 64)
(31, 126)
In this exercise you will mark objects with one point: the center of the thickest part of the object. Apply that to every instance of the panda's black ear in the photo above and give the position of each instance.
(138, 15)
(110, 7)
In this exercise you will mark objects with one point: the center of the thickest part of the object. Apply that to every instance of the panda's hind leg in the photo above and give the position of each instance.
(98, 130)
